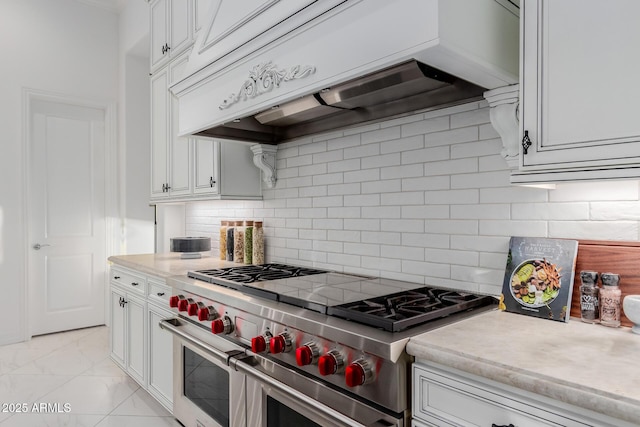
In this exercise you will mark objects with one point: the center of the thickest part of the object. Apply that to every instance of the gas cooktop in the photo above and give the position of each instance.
(391, 305)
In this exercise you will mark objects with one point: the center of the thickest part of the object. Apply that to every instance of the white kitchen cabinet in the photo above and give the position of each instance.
(171, 30)
(160, 345)
(579, 90)
(128, 312)
(449, 397)
(138, 344)
(206, 166)
(170, 153)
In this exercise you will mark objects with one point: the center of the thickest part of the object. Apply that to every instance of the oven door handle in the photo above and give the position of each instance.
(173, 326)
(247, 369)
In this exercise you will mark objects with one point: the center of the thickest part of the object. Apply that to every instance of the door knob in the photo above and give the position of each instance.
(37, 246)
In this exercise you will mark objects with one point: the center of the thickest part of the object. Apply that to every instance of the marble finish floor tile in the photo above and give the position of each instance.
(73, 368)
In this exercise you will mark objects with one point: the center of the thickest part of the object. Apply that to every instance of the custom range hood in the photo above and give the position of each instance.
(269, 71)
(399, 89)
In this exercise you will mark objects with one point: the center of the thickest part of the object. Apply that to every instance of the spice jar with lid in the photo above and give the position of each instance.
(238, 242)
(589, 297)
(258, 243)
(248, 242)
(230, 233)
(610, 300)
(223, 240)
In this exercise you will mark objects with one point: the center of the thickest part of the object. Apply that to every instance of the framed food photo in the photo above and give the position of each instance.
(538, 280)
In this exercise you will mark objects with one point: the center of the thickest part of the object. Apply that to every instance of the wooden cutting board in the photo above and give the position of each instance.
(621, 258)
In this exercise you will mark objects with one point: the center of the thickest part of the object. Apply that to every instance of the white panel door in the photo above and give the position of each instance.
(67, 234)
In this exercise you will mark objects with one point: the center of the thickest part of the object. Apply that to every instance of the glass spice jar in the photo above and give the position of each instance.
(258, 243)
(230, 233)
(238, 242)
(589, 297)
(248, 242)
(223, 240)
(610, 300)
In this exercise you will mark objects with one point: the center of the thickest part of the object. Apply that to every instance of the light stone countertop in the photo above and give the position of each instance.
(587, 365)
(169, 264)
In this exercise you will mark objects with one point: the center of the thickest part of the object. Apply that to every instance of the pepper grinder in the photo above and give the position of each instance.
(589, 297)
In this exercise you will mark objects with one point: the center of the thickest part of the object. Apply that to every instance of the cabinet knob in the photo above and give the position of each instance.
(116, 277)
(134, 283)
(211, 182)
(526, 142)
(160, 294)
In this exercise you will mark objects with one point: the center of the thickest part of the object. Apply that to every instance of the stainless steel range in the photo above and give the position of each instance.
(279, 345)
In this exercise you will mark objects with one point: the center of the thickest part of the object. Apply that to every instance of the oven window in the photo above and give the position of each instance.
(207, 386)
(280, 415)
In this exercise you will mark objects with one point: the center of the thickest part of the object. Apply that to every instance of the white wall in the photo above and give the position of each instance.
(138, 228)
(61, 46)
(425, 198)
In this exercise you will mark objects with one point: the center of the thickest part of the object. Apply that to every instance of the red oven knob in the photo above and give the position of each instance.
(174, 300)
(206, 313)
(330, 363)
(358, 373)
(192, 309)
(183, 304)
(260, 343)
(280, 343)
(222, 326)
(307, 354)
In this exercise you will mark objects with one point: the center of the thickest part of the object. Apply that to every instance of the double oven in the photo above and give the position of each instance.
(246, 354)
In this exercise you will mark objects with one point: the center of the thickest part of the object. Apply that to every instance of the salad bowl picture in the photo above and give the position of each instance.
(535, 282)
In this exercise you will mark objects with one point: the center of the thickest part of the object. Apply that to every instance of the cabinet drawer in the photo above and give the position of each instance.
(158, 292)
(448, 400)
(131, 281)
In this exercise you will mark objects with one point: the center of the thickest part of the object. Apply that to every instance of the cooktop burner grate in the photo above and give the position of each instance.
(254, 273)
(402, 310)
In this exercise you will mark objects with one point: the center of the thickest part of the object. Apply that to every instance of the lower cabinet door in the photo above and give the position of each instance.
(118, 326)
(160, 383)
(136, 314)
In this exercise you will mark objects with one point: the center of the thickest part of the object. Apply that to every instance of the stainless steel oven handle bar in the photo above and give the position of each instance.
(240, 366)
(173, 326)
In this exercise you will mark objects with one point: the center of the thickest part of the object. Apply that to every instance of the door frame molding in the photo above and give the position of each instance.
(112, 212)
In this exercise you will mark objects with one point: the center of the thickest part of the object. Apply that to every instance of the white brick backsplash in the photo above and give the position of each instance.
(392, 159)
(328, 156)
(426, 240)
(597, 230)
(480, 180)
(513, 228)
(469, 118)
(426, 212)
(362, 175)
(426, 183)
(386, 186)
(400, 145)
(425, 126)
(348, 212)
(342, 189)
(381, 135)
(496, 211)
(433, 154)
(424, 198)
(362, 249)
(344, 235)
(380, 212)
(550, 211)
(406, 198)
(446, 197)
(447, 256)
(343, 142)
(601, 191)
(452, 226)
(615, 211)
(449, 137)
(381, 237)
(407, 171)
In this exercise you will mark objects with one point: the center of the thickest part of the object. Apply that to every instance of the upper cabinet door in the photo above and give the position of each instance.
(579, 85)
(158, 32)
(180, 25)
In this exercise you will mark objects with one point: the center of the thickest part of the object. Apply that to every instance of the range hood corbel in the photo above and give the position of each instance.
(264, 157)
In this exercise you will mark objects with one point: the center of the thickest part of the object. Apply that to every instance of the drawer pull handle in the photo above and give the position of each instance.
(160, 294)
(116, 277)
(496, 425)
(135, 283)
